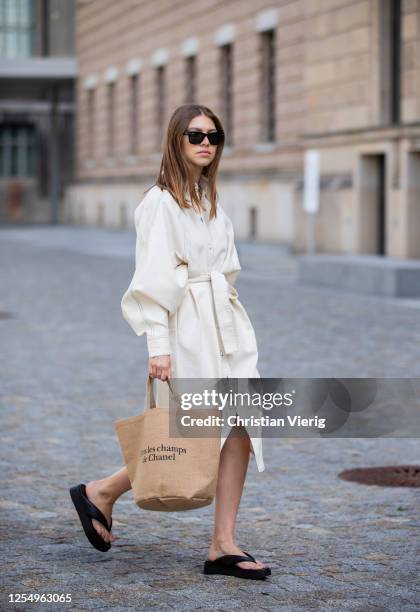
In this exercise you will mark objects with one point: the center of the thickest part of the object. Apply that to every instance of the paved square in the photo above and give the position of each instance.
(70, 366)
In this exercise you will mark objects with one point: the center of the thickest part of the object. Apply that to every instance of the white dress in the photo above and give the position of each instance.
(182, 296)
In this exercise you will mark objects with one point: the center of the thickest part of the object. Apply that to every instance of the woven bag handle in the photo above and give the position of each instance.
(150, 395)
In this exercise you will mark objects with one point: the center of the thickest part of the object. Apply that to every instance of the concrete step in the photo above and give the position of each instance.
(368, 274)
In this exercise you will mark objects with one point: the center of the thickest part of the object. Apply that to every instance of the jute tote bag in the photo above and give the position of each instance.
(170, 474)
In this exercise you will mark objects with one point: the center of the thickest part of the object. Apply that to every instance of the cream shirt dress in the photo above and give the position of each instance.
(182, 296)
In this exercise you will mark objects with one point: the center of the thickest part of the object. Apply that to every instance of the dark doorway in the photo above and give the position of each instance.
(373, 207)
(381, 205)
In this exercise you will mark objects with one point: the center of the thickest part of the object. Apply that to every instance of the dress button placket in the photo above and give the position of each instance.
(225, 364)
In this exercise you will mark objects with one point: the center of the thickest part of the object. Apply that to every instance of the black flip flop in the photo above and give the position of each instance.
(88, 511)
(267, 569)
(226, 565)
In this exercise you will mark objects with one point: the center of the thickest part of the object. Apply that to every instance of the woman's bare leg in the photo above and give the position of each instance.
(104, 493)
(234, 460)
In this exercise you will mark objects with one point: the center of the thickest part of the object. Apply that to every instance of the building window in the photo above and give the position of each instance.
(190, 79)
(268, 98)
(91, 123)
(226, 73)
(390, 60)
(134, 114)
(111, 119)
(160, 105)
(17, 151)
(15, 28)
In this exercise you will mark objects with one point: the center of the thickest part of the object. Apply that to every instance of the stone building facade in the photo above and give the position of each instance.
(340, 78)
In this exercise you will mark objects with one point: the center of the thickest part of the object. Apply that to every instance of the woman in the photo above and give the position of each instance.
(182, 297)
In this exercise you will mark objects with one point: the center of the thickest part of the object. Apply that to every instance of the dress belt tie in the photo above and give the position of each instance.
(222, 292)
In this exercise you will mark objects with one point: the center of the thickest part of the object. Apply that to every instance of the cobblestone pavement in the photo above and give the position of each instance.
(70, 366)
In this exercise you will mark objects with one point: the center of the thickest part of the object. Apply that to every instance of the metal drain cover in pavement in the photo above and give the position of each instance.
(388, 476)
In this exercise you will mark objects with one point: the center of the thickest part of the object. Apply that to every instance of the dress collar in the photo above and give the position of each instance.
(203, 183)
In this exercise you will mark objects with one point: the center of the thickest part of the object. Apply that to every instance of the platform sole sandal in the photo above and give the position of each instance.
(88, 511)
(226, 565)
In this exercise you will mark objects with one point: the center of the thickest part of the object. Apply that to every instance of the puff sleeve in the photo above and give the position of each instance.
(160, 279)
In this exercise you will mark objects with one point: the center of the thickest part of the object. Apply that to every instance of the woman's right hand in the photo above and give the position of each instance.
(160, 367)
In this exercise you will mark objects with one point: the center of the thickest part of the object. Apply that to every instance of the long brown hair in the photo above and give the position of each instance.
(175, 174)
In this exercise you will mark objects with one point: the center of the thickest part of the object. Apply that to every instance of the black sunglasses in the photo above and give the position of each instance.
(196, 137)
